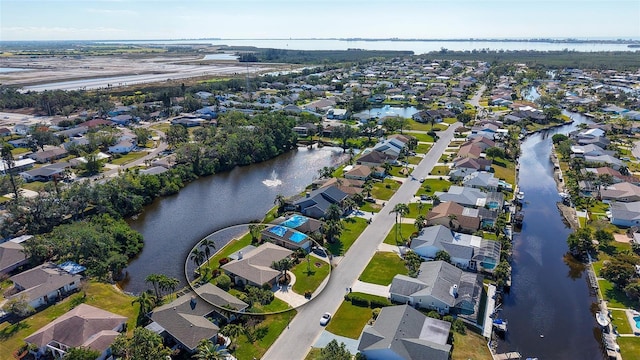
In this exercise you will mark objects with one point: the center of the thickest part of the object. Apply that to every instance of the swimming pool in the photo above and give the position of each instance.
(637, 320)
(278, 230)
(297, 237)
(294, 221)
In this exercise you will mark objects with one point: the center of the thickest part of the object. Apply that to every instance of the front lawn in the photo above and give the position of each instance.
(400, 171)
(127, 158)
(349, 320)
(441, 170)
(385, 189)
(414, 125)
(275, 324)
(309, 280)
(34, 185)
(414, 160)
(353, 227)
(370, 207)
(423, 148)
(416, 208)
(429, 186)
(382, 267)
(404, 232)
(422, 137)
(615, 297)
(103, 296)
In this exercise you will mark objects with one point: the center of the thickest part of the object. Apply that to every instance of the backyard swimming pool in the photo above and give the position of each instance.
(294, 221)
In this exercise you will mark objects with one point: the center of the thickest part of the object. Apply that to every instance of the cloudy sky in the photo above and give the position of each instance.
(246, 19)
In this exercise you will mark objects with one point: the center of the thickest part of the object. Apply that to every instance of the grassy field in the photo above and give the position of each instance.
(422, 137)
(349, 320)
(414, 209)
(275, 324)
(505, 169)
(404, 233)
(382, 268)
(231, 247)
(615, 297)
(440, 170)
(353, 227)
(423, 148)
(384, 190)
(369, 207)
(620, 321)
(470, 346)
(629, 347)
(103, 296)
(34, 185)
(400, 171)
(429, 186)
(426, 127)
(309, 280)
(127, 158)
(414, 160)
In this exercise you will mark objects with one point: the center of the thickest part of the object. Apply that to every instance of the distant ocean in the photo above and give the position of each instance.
(417, 46)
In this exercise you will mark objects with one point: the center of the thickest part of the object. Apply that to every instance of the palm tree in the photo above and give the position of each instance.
(400, 210)
(207, 350)
(279, 201)
(146, 300)
(368, 186)
(283, 265)
(207, 245)
(233, 330)
(332, 229)
(197, 256)
(154, 279)
(7, 157)
(168, 284)
(333, 213)
(452, 218)
(419, 224)
(254, 231)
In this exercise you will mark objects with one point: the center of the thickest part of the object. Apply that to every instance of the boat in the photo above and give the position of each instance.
(520, 195)
(602, 318)
(500, 325)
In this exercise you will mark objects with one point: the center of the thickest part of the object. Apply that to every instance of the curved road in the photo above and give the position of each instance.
(296, 341)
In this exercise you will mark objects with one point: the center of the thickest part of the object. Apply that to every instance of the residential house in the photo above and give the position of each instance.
(358, 172)
(460, 173)
(347, 186)
(21, 129)
(18, 166)
(124, 146)
(207, 112)
(254, 267)
(454, 216)
(481, 180)
(391, 147)
(46, 173)
(466, 251)
(581, 151)
(609, 160)
(482, 142)
(316, 203)
(4, 132)
(376, 158)
(20, 143)
(300, 223)
(124, 119)
(188, 121)
(338, 114)
(464, 196)
(96, 123)
(625, 214)
(624, 192)
(186, 319)
(404, 333)
(53, 153)
(305, 129)
(84, 326)
(439, 286)
(154, 170)
(12, 256)
(287, 237)
(615, 174)
(44, 284)
(471, 150)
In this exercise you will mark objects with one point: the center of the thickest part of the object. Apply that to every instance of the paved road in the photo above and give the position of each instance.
(305, 328)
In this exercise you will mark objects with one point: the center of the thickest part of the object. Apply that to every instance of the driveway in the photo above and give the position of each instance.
(305, 327)
(371, 289)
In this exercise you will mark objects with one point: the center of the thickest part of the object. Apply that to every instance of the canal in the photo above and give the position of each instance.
(548, 306)
(171, 226)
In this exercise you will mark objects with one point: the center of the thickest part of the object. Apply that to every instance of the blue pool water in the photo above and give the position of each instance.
(637, 320)
(278, 230)
(294, 221)
(297, 237)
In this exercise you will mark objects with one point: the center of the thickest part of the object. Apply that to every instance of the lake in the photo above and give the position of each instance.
(171, 226)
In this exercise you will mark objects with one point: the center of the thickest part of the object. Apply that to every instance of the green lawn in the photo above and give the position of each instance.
(450, 120)
(349, 320)
(429, 186)
(441, 170)
(127, 158)
(382, 267)
(231, 247)
(414, 209)
(615, 298)
(422, 137)
(309, 281)
(504, 169)
(274, 306)
(384, 190)
(470, 346)
(19, 151)
(103, 296)
(423, 148)
(426, 127)
(353, 227)
(34, 185)
(370, 207)
(164, 127)
(629, 347)
(276, 324)
(400, 171)
(414, 160)
(405, 231)
(620, 321)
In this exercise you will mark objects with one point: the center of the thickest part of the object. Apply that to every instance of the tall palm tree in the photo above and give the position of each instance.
(400, 210)
(332, 229)
(233, 330)
(333, 213)
(207, 245)
(279, 201)
(154, 279)
(419, 224)
(207, 350)
(197, 256)
(168, 284)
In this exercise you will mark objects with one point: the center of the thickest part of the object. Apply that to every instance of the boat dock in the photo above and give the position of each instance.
(507, 356)
(491, 304)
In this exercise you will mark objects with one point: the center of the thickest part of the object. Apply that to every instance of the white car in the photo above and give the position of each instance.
(324, 320)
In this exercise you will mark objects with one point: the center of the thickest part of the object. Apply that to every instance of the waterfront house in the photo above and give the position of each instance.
(338, 114)
(481, 180)
(454, 216)
(12, 256)
(376, 158)
(624, 192)
(466, 251)
(608, 160)
(96, 123)
(84, 326)
(463, 195)
(625, 214)
(190, 318)
(404, 333)
(615, 174)
(460, 173)
(581, 151)
(358, 172)
(392, 147)
(254, 267)
(471, 163)
(316, 203)
(439, 286)
(287, 237)
(306, 129)
(44, 284)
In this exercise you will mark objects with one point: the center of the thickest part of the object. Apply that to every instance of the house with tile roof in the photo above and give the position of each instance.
(376, 158)
(403, 333)
(83, 326)
(454, 216)
(624, 192)
(439, 286)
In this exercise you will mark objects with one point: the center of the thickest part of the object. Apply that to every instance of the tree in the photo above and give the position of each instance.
(335, 351)
(420, 222)
(9, 164)
(632, 290)
(369, 129)
(207, 245)
(168, 284)
(19, 306)
(618, 272)
(558, 138)
(581, 242)
(142, 135)
(154, 279)
(233, 330)
(344, 133)
(443, 255)
(603, 237)
(333, 213)
(255, 230)
(146, 301)
(332, 229)
(326, 172)
(93, 164)
(501, 273)
(412, 261)
(283, 265)
(494, 152)
(197, 256)
(176, 134)
(400, 210)
(279, 201)
(207, 350)
(143, 345)
(81, 353)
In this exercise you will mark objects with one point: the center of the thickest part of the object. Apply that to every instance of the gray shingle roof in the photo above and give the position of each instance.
(42, 280)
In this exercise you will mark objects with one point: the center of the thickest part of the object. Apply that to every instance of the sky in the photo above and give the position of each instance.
(246, 19)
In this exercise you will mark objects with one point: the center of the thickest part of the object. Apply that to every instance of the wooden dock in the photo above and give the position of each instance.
(507, 356)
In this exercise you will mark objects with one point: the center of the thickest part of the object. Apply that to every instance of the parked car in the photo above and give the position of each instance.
(324, 320)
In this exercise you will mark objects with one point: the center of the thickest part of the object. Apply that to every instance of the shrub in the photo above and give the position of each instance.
(223, 281)
(359, 301)
(223, 261)
(378, 303)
